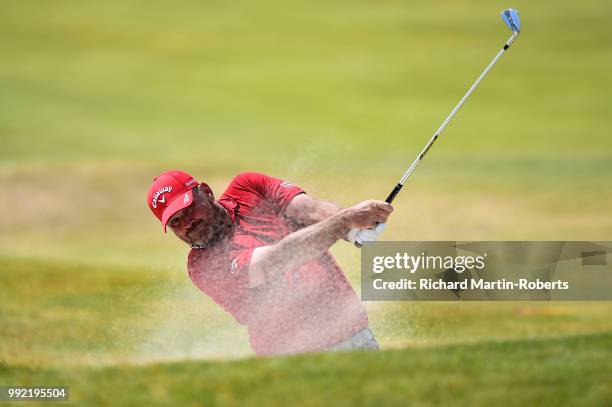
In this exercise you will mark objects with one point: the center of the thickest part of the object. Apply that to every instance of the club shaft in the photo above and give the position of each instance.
(452, 114)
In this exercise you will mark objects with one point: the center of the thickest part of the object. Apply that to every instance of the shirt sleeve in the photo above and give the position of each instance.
(275, 191)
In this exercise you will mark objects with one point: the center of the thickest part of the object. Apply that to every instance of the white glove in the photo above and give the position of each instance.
(360, 236)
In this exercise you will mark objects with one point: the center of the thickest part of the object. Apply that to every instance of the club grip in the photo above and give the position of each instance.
(393, 193)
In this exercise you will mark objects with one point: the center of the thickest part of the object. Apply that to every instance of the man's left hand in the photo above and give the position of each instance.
(360, 236)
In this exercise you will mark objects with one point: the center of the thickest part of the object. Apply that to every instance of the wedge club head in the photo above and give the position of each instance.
(512, 20)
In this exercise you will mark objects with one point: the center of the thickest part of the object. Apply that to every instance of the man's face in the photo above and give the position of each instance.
(203, 222)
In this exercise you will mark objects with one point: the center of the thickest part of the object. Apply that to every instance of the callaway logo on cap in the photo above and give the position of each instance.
(169, 193)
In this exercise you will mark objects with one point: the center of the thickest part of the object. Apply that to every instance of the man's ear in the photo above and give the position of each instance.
(207, 191)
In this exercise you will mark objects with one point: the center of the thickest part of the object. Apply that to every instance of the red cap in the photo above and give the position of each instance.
(169, 193)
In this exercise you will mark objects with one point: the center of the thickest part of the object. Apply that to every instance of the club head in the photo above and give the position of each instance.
(512, 20)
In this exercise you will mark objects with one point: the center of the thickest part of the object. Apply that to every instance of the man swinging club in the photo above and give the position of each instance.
(261, 252)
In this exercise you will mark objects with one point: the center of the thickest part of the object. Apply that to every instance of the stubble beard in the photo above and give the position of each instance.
(221, 230)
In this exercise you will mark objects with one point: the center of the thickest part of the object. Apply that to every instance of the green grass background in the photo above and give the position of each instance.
(96, 98)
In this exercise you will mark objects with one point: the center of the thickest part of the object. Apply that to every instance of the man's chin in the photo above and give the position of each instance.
(209, 239)
(200, 241)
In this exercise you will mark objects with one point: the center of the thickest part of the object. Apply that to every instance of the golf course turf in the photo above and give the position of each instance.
(337, 97)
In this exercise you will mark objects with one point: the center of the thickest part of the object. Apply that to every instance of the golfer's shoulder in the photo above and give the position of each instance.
(252, 187)
(249, 178)
(196, 258)
(200, 259)
(247, 185)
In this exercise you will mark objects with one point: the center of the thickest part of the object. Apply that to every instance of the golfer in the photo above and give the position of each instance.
(261, 252)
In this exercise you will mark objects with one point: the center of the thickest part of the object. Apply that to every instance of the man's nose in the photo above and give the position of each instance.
(187, 223)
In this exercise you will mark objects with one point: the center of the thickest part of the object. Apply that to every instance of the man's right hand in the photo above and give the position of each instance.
(367, 214)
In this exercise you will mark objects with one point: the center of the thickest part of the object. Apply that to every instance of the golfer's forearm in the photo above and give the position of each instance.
(323, 210)
(306, 210)
(296, 249)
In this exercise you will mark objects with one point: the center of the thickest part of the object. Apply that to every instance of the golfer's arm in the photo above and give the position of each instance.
(270, 262)
(305, 210)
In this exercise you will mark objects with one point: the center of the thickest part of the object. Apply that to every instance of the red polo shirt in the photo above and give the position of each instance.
(306, 309)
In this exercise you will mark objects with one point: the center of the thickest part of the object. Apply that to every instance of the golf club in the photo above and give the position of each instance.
(511, 18)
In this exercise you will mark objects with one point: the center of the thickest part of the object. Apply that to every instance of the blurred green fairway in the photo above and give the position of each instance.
(96, 98)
